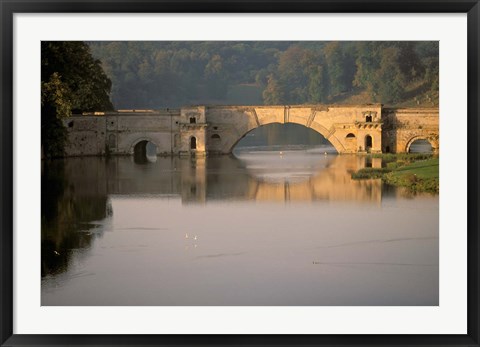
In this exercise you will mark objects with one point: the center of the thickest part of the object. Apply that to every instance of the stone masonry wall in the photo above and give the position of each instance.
(196, 130)
(403, 126)
(86, 136)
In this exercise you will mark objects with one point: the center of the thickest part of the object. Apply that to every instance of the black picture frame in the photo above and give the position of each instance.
(10, 7)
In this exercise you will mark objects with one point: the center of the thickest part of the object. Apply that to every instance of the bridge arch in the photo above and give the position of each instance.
(333, 122)
(336, 143)
(140, 141)
(139, 149)
(432, 139)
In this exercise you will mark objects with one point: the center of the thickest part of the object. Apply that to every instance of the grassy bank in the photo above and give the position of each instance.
(417, 172)
(421, 176)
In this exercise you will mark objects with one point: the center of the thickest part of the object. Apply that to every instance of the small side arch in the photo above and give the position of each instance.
(139, 151)
(141, 140)
(432, 139)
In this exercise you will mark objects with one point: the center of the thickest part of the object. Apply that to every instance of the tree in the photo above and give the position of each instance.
(272, 94)
(215, 77)
(318, 85)
(432, 74)
(292, 77)
(408, 60)
(72, 80)
(389, 77)
(340, 68)
(367, 63)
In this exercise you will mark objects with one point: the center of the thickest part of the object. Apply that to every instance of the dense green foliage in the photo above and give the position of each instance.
(72, 81)
(171, 74)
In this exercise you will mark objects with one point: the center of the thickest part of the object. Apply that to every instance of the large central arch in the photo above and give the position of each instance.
(229, 124)
(317, 127)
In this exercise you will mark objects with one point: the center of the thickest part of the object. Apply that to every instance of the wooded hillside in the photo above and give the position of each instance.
(172, 74)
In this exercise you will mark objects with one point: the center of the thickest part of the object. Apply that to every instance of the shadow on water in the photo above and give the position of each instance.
(68, 214)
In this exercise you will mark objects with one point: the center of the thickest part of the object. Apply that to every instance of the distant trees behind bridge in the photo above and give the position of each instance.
(172, 74)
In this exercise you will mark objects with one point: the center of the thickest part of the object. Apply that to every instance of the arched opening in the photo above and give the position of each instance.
(420, 146)
(368, 143)
(368, 119)
(350, 143)
(145, 152)
(284, 153)
(287, 137)
(215, 137)
(193, 143)
(193, 120)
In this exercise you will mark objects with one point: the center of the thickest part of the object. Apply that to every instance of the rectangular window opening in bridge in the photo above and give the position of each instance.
(193, 120)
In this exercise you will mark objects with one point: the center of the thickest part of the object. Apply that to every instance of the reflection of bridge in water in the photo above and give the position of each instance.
(82, 186)
(331, 183)
(198, 180)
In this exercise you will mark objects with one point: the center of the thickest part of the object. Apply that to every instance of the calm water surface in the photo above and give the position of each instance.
(278, 227)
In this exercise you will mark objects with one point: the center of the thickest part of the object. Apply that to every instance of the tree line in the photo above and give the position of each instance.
(170, 74)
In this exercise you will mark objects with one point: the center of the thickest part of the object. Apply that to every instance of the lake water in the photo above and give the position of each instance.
(278, 227)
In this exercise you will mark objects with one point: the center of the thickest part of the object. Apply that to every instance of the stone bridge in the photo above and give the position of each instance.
(200, 130)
